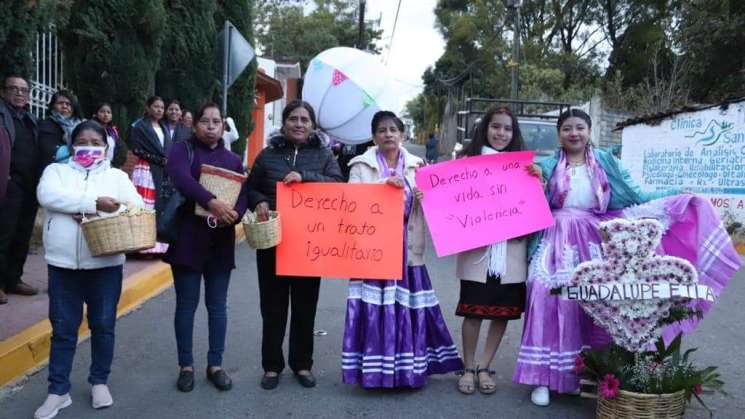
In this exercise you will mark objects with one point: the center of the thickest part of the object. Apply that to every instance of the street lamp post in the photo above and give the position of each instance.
(515, 61)
(361, 27)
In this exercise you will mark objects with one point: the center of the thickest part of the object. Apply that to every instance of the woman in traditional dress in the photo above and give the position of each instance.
(151, 142)
(492, 278)
(585, 187)
(394, 333)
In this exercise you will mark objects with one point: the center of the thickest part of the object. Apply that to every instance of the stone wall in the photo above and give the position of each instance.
(449, 132)
(604, 121)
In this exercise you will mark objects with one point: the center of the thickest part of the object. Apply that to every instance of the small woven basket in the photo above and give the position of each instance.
(127, 231)
(265, 234)
(223, 183)
(630, 405)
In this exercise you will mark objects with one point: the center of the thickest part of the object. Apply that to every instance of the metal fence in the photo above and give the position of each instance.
(48, 74)
(528, 109)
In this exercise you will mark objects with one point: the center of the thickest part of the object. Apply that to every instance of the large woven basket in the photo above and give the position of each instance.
(264, 234)
(223, 183)
(128, 231)
(630, 405)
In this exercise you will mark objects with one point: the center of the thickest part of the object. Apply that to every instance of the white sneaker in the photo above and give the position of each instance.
(100, 396)
(540, 396)
(52, 405)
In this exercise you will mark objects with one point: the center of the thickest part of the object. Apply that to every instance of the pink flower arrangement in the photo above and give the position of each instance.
(609, 386)
(664, 371)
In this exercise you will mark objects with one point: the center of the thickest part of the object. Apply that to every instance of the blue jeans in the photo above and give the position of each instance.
(188, 284)
(99, 289)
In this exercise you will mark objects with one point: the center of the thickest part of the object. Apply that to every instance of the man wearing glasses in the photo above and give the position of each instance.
(18, 209)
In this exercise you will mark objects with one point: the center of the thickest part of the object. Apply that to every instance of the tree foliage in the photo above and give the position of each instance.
(185, 71)
(123, 51)
(711, 38)
(112, 53)
(644, 55)
(286, 32)
(558, 57)
(20, 21)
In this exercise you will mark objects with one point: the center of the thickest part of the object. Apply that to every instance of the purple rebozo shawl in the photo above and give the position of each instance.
(560, 179)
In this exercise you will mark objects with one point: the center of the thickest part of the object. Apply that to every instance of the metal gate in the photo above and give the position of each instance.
(48, 74)
(523, 109)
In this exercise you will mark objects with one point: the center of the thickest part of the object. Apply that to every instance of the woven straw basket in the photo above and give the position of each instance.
(265, 234)
(223, 183)
(630, 405)
(125, 232)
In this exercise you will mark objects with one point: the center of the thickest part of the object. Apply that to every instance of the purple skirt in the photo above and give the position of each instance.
(394, 333)
(557, 330)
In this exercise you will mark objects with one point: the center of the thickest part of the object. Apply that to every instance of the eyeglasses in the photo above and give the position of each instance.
(17, 90)
(63, 102)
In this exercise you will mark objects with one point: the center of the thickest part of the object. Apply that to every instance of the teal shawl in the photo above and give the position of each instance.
(624, 192)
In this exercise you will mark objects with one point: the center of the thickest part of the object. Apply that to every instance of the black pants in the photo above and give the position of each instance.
(276, 294)
(17, 215)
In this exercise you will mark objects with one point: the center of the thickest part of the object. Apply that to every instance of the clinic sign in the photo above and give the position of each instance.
(701, 151)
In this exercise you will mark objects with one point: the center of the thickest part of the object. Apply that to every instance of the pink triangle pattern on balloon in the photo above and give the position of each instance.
(346, 86)
(338, 78)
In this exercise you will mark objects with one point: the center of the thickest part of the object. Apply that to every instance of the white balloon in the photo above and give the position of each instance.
(346, 87)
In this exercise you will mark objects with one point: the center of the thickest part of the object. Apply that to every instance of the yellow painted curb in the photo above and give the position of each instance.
(29, 350)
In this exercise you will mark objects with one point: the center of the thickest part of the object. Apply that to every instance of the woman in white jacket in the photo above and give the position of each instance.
(86, 184)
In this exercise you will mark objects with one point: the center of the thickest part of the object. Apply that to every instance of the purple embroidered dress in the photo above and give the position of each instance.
(556, 330)
(394, 332)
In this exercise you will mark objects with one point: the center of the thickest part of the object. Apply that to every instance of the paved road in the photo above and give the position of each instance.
(144, 370)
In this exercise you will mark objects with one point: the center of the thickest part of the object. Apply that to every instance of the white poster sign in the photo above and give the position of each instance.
(619, 291)
(701, 152)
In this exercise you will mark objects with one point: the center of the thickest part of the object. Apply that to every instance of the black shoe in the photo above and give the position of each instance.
(220, 379)
(307, 380)
(22, 288)
(269, 383)
(185, 381)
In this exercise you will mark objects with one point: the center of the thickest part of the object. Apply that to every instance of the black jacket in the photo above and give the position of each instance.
(51, 136)
(144, 144)
(4, 160)
(314, 162)
(23, 163)
(6, 113)
(181, 133)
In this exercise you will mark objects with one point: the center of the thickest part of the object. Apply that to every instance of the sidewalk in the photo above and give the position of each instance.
(25, 330)
(22, 312)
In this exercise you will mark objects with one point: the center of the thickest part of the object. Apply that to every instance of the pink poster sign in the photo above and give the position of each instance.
(477, 201)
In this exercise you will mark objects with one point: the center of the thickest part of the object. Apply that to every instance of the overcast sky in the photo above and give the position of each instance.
(416, 43)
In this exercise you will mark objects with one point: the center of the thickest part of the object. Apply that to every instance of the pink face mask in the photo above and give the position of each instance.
(87, 156)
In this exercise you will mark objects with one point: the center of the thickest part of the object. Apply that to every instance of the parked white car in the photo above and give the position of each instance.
(540, 136)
